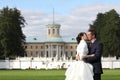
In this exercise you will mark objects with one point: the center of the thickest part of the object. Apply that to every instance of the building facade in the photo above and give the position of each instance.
(51, 46)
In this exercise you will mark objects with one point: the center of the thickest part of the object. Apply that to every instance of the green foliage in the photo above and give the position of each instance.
(107, 26)
(11, 36)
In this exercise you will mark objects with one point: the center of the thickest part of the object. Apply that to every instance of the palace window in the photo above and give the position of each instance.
(31, 47)
(71, 47)
(37, 54)
(58, 31)
(48, 31)
(46, 46)
(53, 31)
(47, 54)
(54, 53)
(71, 53)
(61, 53)
(61, 47)
(36, 47)
(31, 53)
(42, 54)
(66, 54)
(25, 47)
(41, 47)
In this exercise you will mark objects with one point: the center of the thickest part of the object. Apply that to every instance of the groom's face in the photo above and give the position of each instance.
(90, 37)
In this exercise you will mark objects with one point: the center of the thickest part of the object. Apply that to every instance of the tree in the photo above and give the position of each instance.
(98, 24)
(107, 26)
(11, 35)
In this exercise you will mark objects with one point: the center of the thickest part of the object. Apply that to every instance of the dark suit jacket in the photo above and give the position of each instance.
(97, 49)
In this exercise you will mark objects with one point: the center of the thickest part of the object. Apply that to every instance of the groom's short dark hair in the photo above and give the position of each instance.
(93, 32)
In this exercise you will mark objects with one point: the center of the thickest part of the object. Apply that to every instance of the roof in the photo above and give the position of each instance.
(54, 40)
(44, 39)
(53, 25)
(35, 39)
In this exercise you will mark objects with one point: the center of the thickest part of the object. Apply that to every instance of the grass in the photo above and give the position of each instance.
(32, 74)
(111, 75)
(48, 75)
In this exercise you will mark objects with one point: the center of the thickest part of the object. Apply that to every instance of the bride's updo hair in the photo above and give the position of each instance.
(79, 37)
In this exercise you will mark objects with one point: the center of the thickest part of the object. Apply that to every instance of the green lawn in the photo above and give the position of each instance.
(48, 75)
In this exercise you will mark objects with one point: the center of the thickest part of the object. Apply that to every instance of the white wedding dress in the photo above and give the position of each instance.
(79, 70)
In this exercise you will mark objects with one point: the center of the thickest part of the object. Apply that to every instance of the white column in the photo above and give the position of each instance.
(57, 51)
(56, 32)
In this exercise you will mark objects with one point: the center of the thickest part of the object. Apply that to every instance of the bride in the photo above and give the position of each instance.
(80, 70)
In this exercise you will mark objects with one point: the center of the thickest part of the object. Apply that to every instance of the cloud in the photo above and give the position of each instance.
(76, 21)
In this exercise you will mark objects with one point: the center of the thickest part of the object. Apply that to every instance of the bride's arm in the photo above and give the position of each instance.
(78, 58)
(81, 58)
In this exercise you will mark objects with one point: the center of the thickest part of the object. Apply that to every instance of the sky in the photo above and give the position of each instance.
(74, 16)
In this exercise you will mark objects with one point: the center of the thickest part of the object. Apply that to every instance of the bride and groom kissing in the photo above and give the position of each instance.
(88, 65)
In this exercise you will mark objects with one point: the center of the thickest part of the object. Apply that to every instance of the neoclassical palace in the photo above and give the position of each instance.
(51, 46)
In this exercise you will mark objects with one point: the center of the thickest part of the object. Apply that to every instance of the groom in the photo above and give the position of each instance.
(95, 48)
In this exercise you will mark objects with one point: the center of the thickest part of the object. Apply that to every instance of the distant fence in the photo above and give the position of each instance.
(31, 64)
(35, 64)
(111, 64)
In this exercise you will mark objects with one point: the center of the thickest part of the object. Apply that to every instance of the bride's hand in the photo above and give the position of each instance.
(77, 57)
(92, 55)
